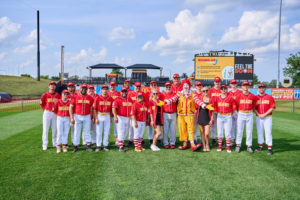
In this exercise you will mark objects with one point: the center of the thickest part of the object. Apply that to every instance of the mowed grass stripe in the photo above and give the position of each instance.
(28, 172)
(16, 123)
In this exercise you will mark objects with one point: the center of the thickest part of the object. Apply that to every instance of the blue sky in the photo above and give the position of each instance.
(166, 33)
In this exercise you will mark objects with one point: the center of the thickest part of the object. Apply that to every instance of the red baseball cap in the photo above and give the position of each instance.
(70, 84)
(198, 83)
(127, 81)
(245, 83)
(261, 85)
(91, 87)
(124, 88)
(223, 86)
(65, 91)
(176, 76)
(140, 94)
(233, 81)
(83, 85)
(104, 86)
(137, 84)
(153, 82)
(52, 83)
(113, 83)
(168, 84)
(217, 79)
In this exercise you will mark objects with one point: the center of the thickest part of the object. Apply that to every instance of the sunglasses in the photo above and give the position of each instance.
(155, 93)
(204, 90)
(66, 93)
(124, 91)
(223, 88)
(168, 87)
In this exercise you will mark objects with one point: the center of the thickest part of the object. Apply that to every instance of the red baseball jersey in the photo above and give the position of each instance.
(171, 108)
(235, 94)
(123, 106)
(62, 108)
(176, 88)
(245, 102)
(214, 93)
(72, 95)
(264, 103)
(103, 104)
(114, 94)
(140, 111)
(224, 105)
(82, 104)
(133, 96)
(48, 101)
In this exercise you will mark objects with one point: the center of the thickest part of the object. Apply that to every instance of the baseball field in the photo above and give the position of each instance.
(27, 172)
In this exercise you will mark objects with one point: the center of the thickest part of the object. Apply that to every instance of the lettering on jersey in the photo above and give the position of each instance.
(215, 94)
(223, 104)
(114, 97)
(133, 98)
(263, 102)
(126, 103)
(246, 101)
(105, 103)
(143, 109)
(52, 100)
(85, 101)
(63, 108)
(153, 107)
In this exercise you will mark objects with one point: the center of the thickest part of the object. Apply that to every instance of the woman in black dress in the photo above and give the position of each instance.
(205, 119)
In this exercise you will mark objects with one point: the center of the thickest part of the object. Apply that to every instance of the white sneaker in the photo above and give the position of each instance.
(44, 148)
(154, 148)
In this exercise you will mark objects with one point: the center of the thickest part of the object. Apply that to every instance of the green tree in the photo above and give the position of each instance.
(292, 69)
(184, 75)
(255, 79)
(116, 71)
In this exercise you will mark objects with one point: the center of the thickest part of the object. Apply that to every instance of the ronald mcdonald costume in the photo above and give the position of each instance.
(186, 108)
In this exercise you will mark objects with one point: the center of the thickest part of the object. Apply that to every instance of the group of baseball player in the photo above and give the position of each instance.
(216, 111)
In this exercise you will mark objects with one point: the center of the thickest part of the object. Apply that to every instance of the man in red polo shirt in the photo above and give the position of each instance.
(47, 103)
(102, 112)
(114, 94)
(176, 86)
(170, 119)
(234, 92)
(213, 93)
(121, 111)
(80, 114)
(224, 107)
(265, 105)
(245, 105)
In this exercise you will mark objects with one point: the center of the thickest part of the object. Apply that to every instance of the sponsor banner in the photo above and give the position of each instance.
(297, 94)
(284, 94)
(207, 68)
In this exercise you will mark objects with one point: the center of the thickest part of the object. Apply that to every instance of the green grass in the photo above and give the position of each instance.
(16, 85)
(27, 172)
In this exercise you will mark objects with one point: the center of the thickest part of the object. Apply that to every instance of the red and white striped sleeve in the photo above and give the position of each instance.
(198, 101)
(172, 99)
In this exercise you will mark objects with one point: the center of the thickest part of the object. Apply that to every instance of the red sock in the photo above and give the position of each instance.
(269, 147)
(227, 142)
(220, 142)
(58, 146)
(136, 142)
(140, 142)
(121, 143)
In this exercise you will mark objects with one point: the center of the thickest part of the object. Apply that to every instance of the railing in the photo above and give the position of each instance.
(20, 103)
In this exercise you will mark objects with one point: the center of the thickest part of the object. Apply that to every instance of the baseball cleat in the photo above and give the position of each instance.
(75, 149)
(270, 152)
(65, 149)
(98, 149)
(136, 149)
(105, 149)
(142, 149)
(259, 149)
(44, 148)
(58, 150)
(219, 149)
(238, 149)
(228, 150)
(249, 149)
(121, 149)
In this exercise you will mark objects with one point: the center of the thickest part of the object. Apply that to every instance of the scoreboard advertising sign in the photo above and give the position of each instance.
(227, 68)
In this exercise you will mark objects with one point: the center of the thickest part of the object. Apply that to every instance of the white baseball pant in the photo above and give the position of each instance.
(63, 127)
(123, 126)
(139, 131)
(131, 133)
(262, 125)
(103, 126)
(241, 120)
(234, 126)
(224, 124)
(169, 126)
(213, 128)
(84, 122)
(49, 119)
(115, 130)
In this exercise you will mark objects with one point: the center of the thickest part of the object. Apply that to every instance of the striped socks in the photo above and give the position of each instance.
(220, 142)
(136, 143)
(121, 143)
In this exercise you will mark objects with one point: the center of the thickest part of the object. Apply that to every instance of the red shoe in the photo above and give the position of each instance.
(195, 147)
(166, 146)
(172, 147)
(184, 147)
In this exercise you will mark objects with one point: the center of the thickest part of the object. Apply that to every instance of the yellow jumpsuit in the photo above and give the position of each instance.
(186, 113)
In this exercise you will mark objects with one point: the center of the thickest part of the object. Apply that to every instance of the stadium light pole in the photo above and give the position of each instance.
(38, 45)
(279, 30)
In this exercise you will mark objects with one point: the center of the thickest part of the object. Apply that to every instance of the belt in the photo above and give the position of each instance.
(49, 110)
(170, 112)
(245, 111)
(224, 114)
(99, 113)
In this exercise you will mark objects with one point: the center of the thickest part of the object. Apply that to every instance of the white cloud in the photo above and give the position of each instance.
(254, 26)
(180, 60)
(8, 28)
(2, 55)
(186, 33)
(147, 46)
(120, 34)
(86, 57)
(30, 37)
(26, 63)
(25, 49)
